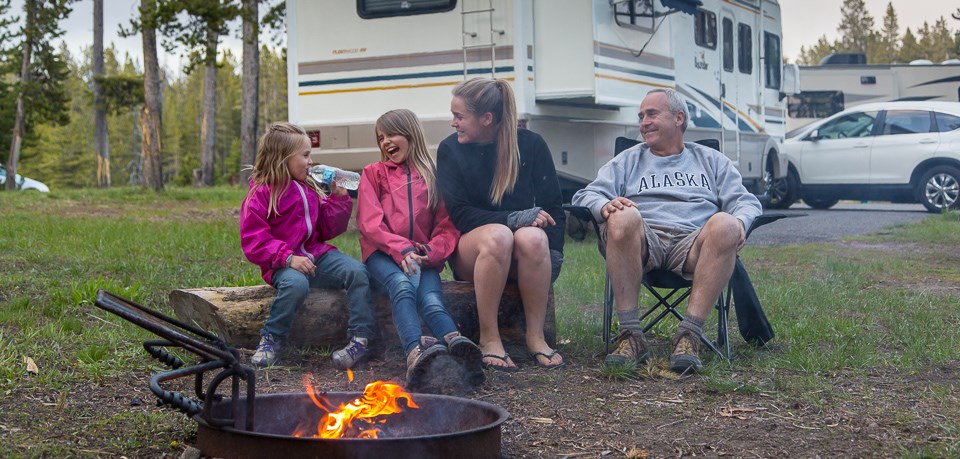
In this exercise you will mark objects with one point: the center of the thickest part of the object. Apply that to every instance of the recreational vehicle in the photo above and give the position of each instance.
(579, 68)
(830, 88)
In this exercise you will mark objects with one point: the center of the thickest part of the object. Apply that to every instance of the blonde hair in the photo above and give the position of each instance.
(404, 122)
(276, 146)
(495, 96)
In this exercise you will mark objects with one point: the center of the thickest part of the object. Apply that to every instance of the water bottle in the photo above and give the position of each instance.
(326, 174)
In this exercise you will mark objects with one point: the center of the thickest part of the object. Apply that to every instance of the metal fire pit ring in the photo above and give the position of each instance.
(442, 427)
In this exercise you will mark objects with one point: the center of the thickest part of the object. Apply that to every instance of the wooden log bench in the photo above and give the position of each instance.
(236, 314)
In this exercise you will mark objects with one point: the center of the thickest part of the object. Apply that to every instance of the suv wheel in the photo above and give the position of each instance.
(783, 192)
(939, 188)
(820, 202)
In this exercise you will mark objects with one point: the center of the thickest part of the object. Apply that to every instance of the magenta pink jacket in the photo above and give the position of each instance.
(300, 227)
(393, 213)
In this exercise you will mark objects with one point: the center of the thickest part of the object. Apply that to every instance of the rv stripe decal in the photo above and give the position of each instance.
(386, 88)
(628, 80)
(942, 80)
(633, 71)
(731, 112)
(404, 61)
(408, 76)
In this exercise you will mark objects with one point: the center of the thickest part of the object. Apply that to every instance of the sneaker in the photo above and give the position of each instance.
(356, 352)
(418, 360)
(686, 349)
(268, 351)
(630, 347)
(467, 354)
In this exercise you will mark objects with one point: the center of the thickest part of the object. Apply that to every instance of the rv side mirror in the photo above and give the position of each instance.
(791, 80)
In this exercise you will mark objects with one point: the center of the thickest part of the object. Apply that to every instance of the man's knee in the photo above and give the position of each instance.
(624, 225)
(724, 229)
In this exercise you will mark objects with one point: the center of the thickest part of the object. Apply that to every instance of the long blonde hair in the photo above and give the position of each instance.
(404, 122)
(495, 96)
(276, 146)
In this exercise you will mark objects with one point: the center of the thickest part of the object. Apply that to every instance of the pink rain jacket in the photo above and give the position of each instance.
(393, 213)
(301, 226)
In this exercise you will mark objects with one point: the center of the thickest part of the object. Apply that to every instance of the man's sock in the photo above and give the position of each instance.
(692, 324)
(630, 320)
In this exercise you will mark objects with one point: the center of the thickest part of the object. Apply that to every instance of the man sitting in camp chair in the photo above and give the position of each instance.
(673, 206)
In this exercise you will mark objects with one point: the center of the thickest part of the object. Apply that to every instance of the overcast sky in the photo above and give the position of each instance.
(804, 21)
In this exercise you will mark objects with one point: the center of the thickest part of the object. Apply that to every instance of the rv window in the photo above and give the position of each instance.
(947, 123)
(745, 39)
(727, 44)
(705, 29)
(899, 122)
(771, 60)
(635, 14)
(371, 9)
(815, 104)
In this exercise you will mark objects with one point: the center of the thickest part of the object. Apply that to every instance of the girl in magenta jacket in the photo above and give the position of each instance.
(285, 221)
(406, 236)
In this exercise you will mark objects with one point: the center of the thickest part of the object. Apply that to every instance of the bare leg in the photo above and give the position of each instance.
(711, 260)
(531, 254)
(483, 257)
(625, 239)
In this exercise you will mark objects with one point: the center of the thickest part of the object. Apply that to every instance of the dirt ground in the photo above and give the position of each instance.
(574, 411)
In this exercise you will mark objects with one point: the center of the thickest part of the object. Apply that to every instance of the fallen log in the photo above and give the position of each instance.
(236, 314)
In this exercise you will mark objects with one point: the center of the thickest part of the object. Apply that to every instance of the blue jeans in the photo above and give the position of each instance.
(410, 305)
(334, 271)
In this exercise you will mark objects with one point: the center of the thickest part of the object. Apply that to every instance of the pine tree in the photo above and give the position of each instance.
(822, 49)
(888, 40)
(943, 46)
(856, 28)
(910, 49)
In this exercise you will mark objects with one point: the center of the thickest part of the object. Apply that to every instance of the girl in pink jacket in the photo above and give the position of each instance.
(285, 221)
(406, 236)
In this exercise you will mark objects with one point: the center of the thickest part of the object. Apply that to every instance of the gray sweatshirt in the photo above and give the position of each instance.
(682, 190)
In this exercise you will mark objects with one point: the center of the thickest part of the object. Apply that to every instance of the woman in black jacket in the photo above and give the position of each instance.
(502, 193)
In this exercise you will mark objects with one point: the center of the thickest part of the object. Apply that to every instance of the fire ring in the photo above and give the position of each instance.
(442, 427)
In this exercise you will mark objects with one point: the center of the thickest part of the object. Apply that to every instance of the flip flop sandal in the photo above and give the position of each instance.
(549, 357)
(503, 358)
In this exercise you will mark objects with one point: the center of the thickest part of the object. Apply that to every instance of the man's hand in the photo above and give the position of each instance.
(616, 204)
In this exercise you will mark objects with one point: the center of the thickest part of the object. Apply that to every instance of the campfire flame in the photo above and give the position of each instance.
(379, 400)
(349, 375)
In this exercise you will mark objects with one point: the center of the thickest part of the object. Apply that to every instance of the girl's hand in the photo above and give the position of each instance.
(336, 190)
(423, 252)
(543, 220)
(303, 265)
(411, 263)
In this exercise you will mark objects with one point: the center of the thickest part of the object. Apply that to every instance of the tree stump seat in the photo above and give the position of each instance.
(236, 314)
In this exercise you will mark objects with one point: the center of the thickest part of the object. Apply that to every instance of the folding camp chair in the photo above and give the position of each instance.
(739, 291)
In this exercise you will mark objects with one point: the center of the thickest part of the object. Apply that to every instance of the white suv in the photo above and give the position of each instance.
(889, 151)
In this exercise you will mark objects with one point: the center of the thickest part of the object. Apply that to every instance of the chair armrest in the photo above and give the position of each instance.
(770, 217)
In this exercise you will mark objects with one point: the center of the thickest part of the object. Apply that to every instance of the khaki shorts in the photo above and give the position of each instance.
(667, 247)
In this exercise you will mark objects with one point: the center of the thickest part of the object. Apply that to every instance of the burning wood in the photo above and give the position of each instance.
(356, 419)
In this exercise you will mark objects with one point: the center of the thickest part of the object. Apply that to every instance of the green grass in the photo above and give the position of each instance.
(835, 309)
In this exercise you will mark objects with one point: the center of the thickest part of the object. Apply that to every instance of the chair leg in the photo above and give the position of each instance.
(607, 314)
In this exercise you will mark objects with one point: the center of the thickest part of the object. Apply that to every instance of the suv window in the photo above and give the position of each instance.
(370, 9)
(947, 123)
(859, 124)
(899, 122)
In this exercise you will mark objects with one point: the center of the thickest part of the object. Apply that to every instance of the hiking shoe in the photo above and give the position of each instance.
(686, 349)
(268, 351)
(630, 347)
(468, 355)
(418, 360)
(356, 352)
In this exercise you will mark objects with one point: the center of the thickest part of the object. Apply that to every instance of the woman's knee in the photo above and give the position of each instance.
(497, 241)
(531, 242)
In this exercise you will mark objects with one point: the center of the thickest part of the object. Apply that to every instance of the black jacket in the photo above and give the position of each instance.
(465, 173)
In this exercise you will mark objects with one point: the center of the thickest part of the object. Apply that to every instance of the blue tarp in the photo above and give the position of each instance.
(683, 6)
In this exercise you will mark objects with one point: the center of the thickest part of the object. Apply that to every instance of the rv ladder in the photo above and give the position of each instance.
(492, 45)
